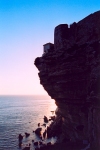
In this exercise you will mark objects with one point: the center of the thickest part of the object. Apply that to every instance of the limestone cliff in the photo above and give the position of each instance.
(70, 73)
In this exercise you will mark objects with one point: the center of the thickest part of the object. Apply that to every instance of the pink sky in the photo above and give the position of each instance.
(25, 25)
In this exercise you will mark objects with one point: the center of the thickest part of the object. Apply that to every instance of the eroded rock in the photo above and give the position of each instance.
(71, 75)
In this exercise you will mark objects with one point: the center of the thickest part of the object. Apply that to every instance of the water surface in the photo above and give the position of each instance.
(20, 114)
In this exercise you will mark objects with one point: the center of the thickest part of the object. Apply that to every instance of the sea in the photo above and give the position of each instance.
(20, 114)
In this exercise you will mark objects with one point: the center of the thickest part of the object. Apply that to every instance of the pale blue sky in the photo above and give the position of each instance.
(25, 25)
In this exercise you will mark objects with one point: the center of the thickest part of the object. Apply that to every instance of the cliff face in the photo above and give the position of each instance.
(70, 73)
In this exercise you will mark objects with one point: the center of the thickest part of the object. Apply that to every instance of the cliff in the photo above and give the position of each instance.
(70, 73)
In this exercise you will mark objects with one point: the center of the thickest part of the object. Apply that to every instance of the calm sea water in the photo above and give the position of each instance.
(20, 114)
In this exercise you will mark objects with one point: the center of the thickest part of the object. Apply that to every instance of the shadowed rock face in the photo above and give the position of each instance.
(70, 73)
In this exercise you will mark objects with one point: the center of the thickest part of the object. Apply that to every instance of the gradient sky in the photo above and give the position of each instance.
(25, 25)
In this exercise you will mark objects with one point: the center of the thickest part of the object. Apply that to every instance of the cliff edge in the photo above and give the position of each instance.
(70, 73)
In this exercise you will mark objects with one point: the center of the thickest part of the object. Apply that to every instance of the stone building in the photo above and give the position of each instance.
(47, 47)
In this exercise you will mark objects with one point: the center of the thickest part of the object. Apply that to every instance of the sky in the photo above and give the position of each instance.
(25, 25)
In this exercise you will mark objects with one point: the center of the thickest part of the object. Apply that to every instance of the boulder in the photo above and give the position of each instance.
(40, 143)
(45, 119)
(52, 118)
(44, 134)
(38, 124)
(36, 143)
(20, 137)
(44, 125)
(26, 148)
(27, 134)
(49, 143)
(38, 131)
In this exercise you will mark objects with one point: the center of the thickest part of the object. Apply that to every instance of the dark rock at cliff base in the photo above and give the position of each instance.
(20, 137)
(66, 146)
(38, 131)
(44, 125)
(40, 143)
(26, 148)
(27, 134)
(36, 143)
(55, 128)
(52, 118)
(20, 144)
(44, 134)
(45, 119)
(80, 127)
(70, 73)
(49, 143)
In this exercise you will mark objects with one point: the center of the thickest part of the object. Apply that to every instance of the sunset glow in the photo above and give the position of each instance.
(25, 25)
